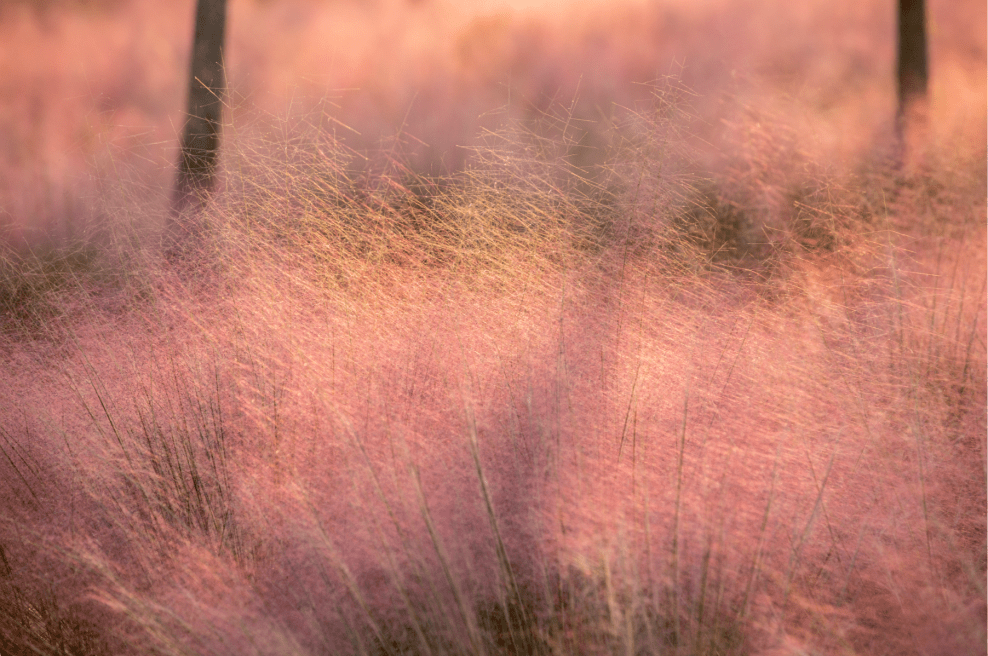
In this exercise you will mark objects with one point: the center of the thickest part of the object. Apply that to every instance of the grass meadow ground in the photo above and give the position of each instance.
(511, 329)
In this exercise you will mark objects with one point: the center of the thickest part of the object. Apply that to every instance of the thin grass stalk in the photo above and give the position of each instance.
(613, 610)
(834, 546)
(476, 643)
(681, 452)
(933, 310)
(721, 585)
(704, 571)
(413, 613)
(631, 404)
(920, 464)
(896, 284)
(970, 341)
(502, 553)
(797, 548)
(756, 562)
(349, 581)
(854, 559)
(6, 454)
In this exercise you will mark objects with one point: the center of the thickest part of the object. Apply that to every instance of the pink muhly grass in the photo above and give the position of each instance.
(633, 389)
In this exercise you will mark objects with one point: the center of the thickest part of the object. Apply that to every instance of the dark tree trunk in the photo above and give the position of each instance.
(913, 70)
(201, 134)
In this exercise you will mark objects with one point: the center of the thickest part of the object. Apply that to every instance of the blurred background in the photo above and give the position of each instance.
(92, 92)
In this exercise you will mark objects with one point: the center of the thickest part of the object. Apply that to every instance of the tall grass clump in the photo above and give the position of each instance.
(657, 399)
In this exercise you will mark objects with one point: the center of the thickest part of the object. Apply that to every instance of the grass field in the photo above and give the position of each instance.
(512, 328)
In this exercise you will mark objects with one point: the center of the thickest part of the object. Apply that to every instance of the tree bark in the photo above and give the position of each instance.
(913, 71)
(207, 87)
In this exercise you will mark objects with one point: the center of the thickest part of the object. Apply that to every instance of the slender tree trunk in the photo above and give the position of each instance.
(913, 69)
(201, 134)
